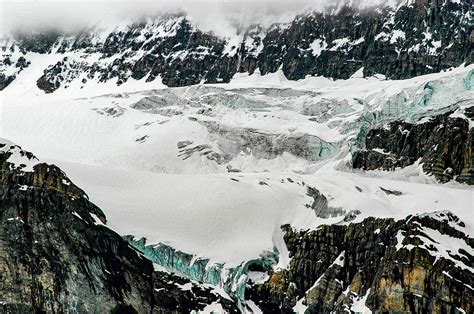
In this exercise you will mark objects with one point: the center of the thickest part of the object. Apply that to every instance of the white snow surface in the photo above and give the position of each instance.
(358, 304)
(128, 162)
(17, 158)
(317, 46)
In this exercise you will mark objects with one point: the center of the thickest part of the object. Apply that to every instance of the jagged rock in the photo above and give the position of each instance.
(391, 192)
(467, 172)
(443, 143)
(5, 80)
(37, 42)
(15, 68)
(183, 144)
(55, 257)
(417, 38)
(398, 266)
(56, 254)
(179, 295)
(469, 112)
(320, 205)
(59, 74)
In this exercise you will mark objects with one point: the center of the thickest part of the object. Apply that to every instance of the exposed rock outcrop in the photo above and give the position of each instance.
(419, 264)
(417, 37)
(444, 144)
(57, 256)
(16, 66)
(320, 205)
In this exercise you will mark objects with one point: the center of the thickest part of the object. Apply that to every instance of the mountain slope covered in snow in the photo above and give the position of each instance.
(172, 165)
(400, 40)
(321, 165)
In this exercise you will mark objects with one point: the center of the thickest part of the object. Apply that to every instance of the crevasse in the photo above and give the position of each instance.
(411, 104)
(232, 279)
(468, 81)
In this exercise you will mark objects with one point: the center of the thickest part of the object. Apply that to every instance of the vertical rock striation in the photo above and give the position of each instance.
(443, 143)
(401, 266)
(56, 254)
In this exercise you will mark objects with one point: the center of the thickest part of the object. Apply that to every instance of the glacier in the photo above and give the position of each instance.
(127, 147)
(233, 280)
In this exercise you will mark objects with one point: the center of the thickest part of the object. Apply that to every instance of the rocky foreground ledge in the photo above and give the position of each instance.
(56, 255)
(421, 264)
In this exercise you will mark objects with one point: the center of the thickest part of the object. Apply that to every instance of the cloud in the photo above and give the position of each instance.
(223, 17)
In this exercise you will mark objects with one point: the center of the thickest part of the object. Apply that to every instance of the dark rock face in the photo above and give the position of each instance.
(5, 80)
(320, 205)
(393, 265)
(57, 256)
(443, 143)
(18, 66)
(170, 297)
(38, 42)
(51, 79)
(368, 43)
(417, 38)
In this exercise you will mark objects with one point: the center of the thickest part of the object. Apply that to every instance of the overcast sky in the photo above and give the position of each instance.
(219, 16)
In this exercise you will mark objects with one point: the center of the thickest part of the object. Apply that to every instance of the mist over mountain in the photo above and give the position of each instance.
(398, 39)
(237, 156)
(224, 18)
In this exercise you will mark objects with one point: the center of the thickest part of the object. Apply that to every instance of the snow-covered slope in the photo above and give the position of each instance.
(399, 39)
(216, 170)
(321, 164)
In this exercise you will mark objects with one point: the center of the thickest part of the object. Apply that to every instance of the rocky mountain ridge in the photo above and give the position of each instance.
(391, 266)
(259, 195)
(443, 143)
(57, 255)
(411, 39)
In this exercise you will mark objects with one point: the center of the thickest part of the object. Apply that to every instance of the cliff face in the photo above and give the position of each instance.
(383, 264)
(443, 143)
(415, 38)
(57, 256)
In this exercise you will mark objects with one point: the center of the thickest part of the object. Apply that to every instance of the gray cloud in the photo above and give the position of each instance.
(223, 17)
